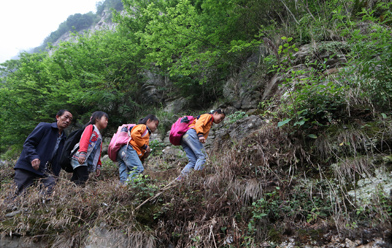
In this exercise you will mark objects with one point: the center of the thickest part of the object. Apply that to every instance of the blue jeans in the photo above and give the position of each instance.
(194, 150)
(129, 163)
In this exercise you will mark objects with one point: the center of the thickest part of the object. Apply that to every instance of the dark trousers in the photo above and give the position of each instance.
(24, 179)
(80, 175)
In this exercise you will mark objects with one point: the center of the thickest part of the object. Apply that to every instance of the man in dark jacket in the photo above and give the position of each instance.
(41, 151)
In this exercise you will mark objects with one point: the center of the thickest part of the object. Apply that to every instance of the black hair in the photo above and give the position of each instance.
(61, 112)
(148, 117)
(219, 111)
(97, 115)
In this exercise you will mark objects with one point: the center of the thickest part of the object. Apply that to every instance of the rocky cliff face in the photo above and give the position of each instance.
(104, 23)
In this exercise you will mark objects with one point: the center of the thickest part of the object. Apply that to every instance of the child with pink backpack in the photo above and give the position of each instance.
(131, 154)
(194, 138)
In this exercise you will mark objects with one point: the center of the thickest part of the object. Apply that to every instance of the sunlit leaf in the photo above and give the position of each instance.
(282, 123)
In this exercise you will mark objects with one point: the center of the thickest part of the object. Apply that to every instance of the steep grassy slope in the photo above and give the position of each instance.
(268, 187)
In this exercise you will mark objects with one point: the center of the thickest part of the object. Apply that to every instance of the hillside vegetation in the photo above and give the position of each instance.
(316, 168)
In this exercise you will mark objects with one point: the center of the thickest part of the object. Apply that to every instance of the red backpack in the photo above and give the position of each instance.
(120, 138)
(179, 128)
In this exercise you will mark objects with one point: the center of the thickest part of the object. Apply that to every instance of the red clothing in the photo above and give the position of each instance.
(89, 138)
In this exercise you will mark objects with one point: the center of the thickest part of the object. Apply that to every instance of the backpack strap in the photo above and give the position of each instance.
(129, 134)
(145, 132)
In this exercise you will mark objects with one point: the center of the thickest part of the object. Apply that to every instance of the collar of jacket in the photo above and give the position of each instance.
(54, 125)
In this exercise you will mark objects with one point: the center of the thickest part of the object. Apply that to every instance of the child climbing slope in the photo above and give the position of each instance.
(88, 157)
(195, 137)
(131, 155)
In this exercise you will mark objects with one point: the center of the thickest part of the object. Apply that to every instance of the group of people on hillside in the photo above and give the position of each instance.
(39, 160)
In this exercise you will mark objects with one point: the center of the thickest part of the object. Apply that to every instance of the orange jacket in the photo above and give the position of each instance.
(202, 125)
(140, 139)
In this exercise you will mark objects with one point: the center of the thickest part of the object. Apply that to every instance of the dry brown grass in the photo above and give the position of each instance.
(73, 211)
(214, 207)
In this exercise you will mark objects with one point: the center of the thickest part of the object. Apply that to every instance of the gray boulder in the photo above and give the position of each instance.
(238, 130)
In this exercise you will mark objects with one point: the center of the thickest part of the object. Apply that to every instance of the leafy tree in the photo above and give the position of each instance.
(96, 73)
(26, 91)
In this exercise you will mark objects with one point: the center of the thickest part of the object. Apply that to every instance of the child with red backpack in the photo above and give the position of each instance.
(131, 155)
(193, 140)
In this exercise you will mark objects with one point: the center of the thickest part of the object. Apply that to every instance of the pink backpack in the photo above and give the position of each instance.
(179, 128)
(120, 138)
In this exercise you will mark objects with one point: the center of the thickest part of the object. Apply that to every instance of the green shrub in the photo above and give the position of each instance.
(311, 99)
(238, 115)
(316, 104)
(371, 52)
(11, 153)
(156, 147)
